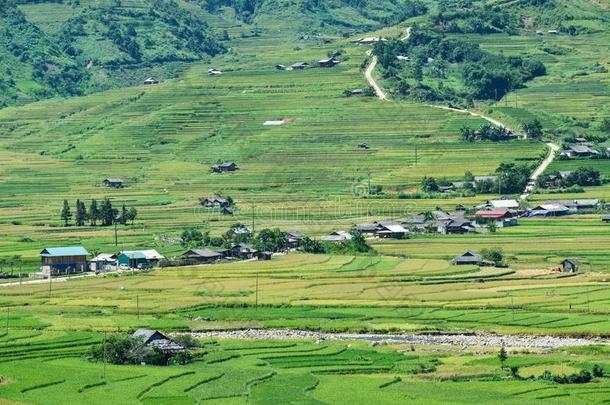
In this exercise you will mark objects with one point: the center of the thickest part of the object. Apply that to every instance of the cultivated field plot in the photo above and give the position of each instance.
(333, 293)
(49, 367)
(161, 140)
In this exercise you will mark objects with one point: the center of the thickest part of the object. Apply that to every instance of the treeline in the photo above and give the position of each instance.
(509, 178)
(103, 214)
(457, 16)
(435, 57)
(485, 132)
(583, 176)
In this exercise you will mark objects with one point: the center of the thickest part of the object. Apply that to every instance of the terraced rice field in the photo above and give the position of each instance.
(333, 293)
(277, 372)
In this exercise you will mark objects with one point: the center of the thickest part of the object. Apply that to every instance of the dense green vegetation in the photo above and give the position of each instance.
(435, 58)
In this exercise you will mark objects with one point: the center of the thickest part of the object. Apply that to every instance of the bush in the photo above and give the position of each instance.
(121, 349)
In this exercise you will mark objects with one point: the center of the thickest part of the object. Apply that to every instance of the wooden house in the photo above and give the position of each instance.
(330, 62)
(157, 340)
(204, 255)
(151, 81)
(64, 260)
(113, 183)
(224, 167)
(570, 265)
(467, 258)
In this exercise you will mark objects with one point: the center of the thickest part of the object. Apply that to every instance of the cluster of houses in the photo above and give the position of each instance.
(323, 63)
(223, 204)
(75, 259)
(500, 213)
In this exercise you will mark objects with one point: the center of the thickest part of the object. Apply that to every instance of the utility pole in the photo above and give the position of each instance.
(416, 157)
(512, 304)
(588, 301)
(138, 306)
(256, 302)
(369, 174)
(253, 217)
(116, 241)
(8, 314)
(104, 357)
(50, 282)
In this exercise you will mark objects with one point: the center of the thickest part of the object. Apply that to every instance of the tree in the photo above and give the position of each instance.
(124, 215)
(533, 129)
(66, 214)
(493, 255)
(107, 213)
(81, 213)
(359, 242)
(132, 214)
(491, 226)
(192, 238)
(94, 212)
(502, 356)
(429, 184)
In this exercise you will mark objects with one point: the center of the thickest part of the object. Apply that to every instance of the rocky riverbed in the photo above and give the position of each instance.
(509, 341)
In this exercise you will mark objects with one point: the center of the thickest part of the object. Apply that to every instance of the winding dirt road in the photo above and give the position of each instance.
(383, 96)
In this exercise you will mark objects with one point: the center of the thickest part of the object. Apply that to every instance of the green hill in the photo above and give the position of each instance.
(69, 48)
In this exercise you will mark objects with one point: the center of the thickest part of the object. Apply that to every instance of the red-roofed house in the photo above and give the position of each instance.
(502, 217)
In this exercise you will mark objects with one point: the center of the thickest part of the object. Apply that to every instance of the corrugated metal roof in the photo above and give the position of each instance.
(64, 251)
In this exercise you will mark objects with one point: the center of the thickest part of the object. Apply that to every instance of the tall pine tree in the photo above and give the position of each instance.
(94, 213)
(66, 214)
(81, 213)
(107, 213)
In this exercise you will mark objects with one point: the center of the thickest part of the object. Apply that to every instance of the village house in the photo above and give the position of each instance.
(243, 251)
(367, 40)
(579, 151)
(264, 255)
(63, 260)
(201, 256)
(157, 340)
(280, 67)
(224, 167)
(383, 229)
(114, 183)
(480, 179)
(467, 258)
(214, 72)
(580, 205)
(103, 262)
(606, 219)
(151, 81)
(549, 210)
(355, 93)
(570, 265)
(456, 227)
(330, 62)
(294, 239)
(363, 146)
(300, 66)
(139, 259)
(337, 236)
(500, 217)
(503, 203)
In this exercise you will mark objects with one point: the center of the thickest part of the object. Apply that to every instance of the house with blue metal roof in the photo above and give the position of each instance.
(64, 260)
(135, 259)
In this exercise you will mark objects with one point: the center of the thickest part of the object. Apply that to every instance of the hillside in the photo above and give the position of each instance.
(69, 48)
